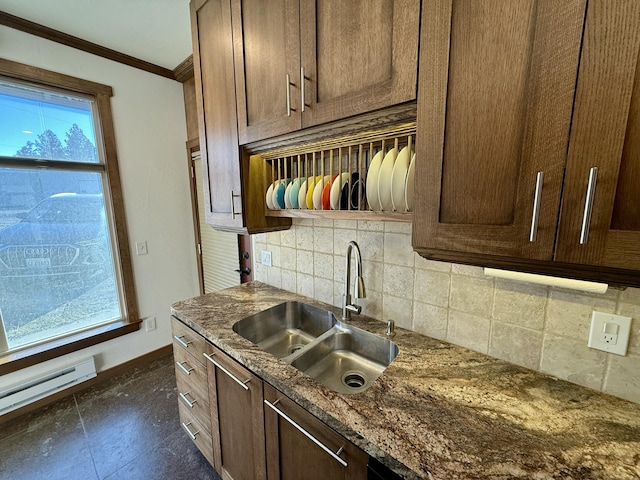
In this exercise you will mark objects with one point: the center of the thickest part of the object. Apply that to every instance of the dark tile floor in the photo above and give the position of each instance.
(126, 428)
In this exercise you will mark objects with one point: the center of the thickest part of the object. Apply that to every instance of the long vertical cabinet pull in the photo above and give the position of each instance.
(533, 234)
(288, 78)
(588, 205)
(302, 99)
(231, 375)
(233, 206)
(307, 434)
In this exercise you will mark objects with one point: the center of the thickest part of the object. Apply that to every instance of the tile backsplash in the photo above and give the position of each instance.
(538, 327)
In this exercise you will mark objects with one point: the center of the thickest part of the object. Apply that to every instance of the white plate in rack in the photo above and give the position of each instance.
(372, 181)
(408, 189)
(399, 180)
(384, 180)
(336, 190)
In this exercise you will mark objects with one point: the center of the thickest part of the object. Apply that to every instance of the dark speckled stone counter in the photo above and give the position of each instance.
(441, 411)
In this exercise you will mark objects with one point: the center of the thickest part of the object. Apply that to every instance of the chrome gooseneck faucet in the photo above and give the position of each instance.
(358, 283)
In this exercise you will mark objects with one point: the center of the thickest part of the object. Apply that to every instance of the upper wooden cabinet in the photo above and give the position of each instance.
(605, 144)
(496, 88)
(343, 58)
(234, 197)
(529, 136)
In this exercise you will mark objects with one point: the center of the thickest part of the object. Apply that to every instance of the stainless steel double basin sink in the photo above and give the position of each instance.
(344, 358)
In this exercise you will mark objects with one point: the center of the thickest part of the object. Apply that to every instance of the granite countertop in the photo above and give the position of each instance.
(441, 411)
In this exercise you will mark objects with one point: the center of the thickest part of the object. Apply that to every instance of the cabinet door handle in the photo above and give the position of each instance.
(184, 398)
(233, 377)
(189, 432)
(233, 205)
(588, 205)
(181, 342)
(307, 434)
(288, 78)
(185, 369)
(537, 198)
(302, 99)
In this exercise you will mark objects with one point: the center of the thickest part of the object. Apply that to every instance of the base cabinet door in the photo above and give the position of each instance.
(237, 422)
(299, 446)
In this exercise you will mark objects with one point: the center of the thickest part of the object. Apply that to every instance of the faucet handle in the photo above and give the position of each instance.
(354, 308)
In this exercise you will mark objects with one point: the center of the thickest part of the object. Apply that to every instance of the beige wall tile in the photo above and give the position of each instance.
(275, 255)
(323, 265)
(302, 221)
(288, 238)
(468, 270)
(289, 281)
(259, 238)
(398, 227)
(323, 290)
(569, 313)
(323, 240)
(371, 306)
(304, 261)
(429, 320)
(304, 238)
(623, 377)
(371, 245)
(629, 306)
(274, 277)
(372, 274)
(515, 344)
(273, 238)
(288, 258)
(469, 331)
(424, 264)
(397, 309)
(260, 273)
(520, 303)
(323, 222)
(341, 238)
(472, 295)
(348, 224)
(572, 360)
(398, 281)
(370, 226)
(432, 287)
(398, 250)
(304, 285)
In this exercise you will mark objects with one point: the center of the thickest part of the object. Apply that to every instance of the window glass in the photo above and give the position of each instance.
(36, 123)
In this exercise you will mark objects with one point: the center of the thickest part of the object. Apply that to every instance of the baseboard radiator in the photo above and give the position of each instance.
(19, 395)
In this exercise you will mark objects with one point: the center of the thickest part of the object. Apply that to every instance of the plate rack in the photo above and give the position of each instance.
(338, 172)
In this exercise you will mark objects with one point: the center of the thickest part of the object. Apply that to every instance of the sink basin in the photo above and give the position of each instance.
(347, 359)
(286, 328)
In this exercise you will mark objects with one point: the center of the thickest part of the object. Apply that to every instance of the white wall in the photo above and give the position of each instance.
(150, 128)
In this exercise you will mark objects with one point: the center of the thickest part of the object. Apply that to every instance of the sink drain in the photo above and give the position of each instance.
(354, 380)
(295, 347)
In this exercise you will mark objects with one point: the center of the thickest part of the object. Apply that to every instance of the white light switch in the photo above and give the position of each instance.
(609, 332)
(141, 248)
(266, 257)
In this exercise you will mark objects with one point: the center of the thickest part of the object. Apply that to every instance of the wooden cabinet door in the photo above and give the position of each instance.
(214, 76)
(267, 65)
(237, 422)
(293, 455)
(357, 55)
(605, 136)
(496, 88)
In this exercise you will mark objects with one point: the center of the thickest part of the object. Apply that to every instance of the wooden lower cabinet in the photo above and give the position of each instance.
(235, 397)
(300, 446)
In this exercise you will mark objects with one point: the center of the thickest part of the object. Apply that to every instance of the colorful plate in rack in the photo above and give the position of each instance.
(351, 194)
(384, 180)
(337, 186)
(302, 193)
(269, 197)
(326, 193)
(408, 189)
(293, 192)
(278, 193)
(310, 189)
(317, 191)
(372, 181)
(287, 196)
(399, 180)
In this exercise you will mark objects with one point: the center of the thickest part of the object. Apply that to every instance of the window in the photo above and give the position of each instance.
(63, 252)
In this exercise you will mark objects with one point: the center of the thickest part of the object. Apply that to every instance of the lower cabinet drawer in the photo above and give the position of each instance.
(194, 429)
(191, 373)
(194, 402)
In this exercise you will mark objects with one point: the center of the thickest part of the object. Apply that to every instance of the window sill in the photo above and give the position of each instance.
(15, 361)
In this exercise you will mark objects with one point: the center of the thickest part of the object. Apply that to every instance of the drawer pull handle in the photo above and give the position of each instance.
(233, 377)
(184, 398)
(188, 430)
(307, 434)
(533, 234)
(288, 79)
(302, 99)
(186, 369)
(182, 342)
(588, 205)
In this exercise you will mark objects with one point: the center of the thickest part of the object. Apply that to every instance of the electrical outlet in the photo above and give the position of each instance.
(150, 324)
(266, 257)
(141, 248)
(609, 332)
